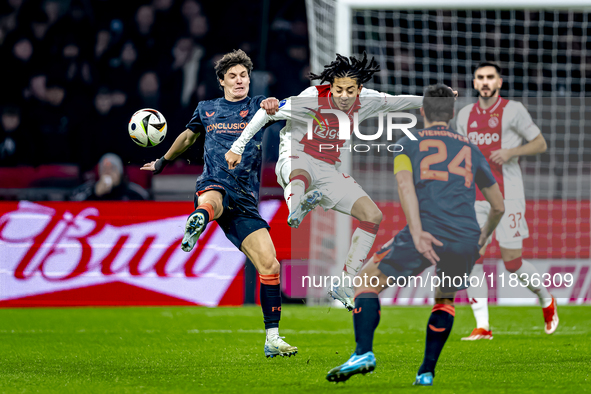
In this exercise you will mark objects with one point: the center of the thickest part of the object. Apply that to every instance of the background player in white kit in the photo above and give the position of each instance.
(312, 164)
(499, 126)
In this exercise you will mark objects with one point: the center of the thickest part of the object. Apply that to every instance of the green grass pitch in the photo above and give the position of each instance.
(166, 350)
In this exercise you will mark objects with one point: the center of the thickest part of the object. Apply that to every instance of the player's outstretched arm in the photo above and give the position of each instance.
(390, 102)
(258, 121)
(180, 144)
(396, 103)
(497, 209)
(410, 205)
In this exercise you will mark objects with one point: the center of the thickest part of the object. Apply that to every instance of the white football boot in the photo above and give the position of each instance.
(343, 294)
(193, 229)
(276, 346)
(308, 202)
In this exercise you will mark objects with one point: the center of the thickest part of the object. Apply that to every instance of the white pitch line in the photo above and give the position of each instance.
(533, 332)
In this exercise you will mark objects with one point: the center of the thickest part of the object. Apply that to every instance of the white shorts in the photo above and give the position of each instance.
(340, 191)
(512, 228)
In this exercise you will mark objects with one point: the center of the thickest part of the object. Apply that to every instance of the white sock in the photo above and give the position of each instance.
(529, 270)
(361, 244)
(272, 332)
(479, 298)
(293, 193)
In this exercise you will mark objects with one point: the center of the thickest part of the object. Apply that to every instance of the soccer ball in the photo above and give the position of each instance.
(147, 127)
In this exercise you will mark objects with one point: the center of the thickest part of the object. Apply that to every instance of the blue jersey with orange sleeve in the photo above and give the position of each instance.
(446, 169)
(223, 121)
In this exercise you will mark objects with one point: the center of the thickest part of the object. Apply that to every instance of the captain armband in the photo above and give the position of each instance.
(401, 163)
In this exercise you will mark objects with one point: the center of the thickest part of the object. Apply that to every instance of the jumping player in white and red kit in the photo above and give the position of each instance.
(307, 168)
(498, 127)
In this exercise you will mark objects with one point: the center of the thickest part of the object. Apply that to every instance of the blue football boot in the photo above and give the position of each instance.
(424, 379)
(356, 364)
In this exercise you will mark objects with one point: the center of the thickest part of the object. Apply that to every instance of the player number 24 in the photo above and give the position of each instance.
(464, 155)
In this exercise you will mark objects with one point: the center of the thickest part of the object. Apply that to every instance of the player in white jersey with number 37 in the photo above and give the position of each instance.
(499, 127)
(307, 168)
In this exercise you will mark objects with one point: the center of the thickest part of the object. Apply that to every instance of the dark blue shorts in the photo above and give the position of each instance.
(240, 217)
(401, 259)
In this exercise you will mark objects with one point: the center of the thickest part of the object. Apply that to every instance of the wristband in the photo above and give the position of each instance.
(159, 165)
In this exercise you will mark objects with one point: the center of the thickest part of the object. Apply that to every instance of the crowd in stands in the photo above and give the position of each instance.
(74, 71)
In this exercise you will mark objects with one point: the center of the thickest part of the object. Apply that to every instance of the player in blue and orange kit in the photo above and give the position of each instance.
(437, 177)
(231, 197)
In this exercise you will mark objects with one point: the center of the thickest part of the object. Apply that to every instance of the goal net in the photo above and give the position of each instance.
(544, 49)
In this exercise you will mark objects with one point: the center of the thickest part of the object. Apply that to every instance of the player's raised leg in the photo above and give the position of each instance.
(298, 201)
(438, 329)
(366, 317)
(370, 217)
(209, 207)
(258, 247)
(525, 272)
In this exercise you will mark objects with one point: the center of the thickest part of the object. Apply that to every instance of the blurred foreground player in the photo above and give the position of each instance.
(231, 197)
(308, 168)
(437, 178)
(498, 127)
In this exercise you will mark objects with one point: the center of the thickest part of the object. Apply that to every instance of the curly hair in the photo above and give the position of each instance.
(351, 67)
(229, 60)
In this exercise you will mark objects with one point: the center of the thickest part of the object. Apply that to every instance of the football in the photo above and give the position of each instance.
(147, 127)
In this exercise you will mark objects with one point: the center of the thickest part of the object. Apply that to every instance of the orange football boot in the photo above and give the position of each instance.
(479, 333)
(550, 317)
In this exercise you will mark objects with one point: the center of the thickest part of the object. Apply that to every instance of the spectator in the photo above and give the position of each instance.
(39, 25)
(142, 34)
(167, 14)
(124, 69)
(53, 10)
(13, 149)
(149, 91)
(143, 53)
(8, 17)
(180, 87)
(208, 87)
(111, 185)
(190, 9)
(73, 28)
(98, 128)
(18, 64)
(77, 69)
(52, 120)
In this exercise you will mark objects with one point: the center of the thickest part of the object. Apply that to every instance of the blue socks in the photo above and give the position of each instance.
(366, 317)
(438, 330)
(271, 300)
